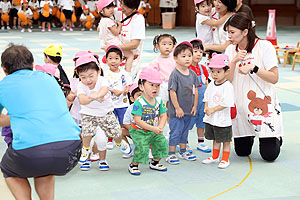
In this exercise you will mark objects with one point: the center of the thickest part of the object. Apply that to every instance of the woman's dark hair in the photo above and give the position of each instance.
(55, 59)
(230, 4)
(16, 57)
(87, 66)
(109, 6)
(182, 47)
(133, 4)
(159, 37)
(117, 51)
(197, 44)
(242, 22)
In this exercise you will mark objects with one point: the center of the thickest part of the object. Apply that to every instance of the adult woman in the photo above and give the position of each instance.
(133, 29)
(45, 137)
(253, 73)
(222, 7)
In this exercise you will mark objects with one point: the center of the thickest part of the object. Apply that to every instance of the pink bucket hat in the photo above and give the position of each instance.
(49, 68)
(181, 43)
(219, 61)
(197, 1)
(84, 59)
(114, 47)
(81, 53)
(103, 3)
(150, 74)
(133, 87)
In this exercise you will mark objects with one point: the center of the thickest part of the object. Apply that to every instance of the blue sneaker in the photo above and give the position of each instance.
(86, 166)
(172, 159)
(134, 171)
(189, 149)
(187, 156)
(202, 147)
(103, 166)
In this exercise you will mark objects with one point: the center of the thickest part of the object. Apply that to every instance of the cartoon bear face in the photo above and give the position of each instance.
(257, 105)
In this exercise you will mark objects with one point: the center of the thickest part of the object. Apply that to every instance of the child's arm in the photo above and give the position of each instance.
(126, 90)
(4, 120)
(116, 92)
(162, 120)
(84, 100)
(178, 110)
(126, 126)
(194, 109)
(138, 120)
(210, 111)
(116, 30)
(219, 22)
(100, 94)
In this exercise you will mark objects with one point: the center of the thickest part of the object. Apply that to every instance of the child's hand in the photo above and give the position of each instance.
(71, 97)
(117, 92)
(125, 92)
(119, 23)
(157, 130)
(93, 96)
(194, 111)
(100, 99)
(209, 111)
(179, 112)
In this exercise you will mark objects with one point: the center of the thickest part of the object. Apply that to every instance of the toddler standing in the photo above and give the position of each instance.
(218, 98)
(5, 6)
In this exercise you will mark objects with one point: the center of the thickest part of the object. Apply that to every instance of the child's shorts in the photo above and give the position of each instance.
(109, 124)
(119, 113)
(142, 140)
(179, 130)
(198, 118)
(219, 134)
(68, 13)
(13, 12)
(46, 19)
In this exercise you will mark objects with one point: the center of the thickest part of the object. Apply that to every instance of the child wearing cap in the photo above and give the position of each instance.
(26, 14)
(218, 98)
(202, 75)
(85, 17)
(134, 93)
(68, 8)
(110, 30)
(183, 100)
(149, 119)
(96, 107)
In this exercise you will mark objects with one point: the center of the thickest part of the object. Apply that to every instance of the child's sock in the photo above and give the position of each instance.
(225, 155)
(216, 153)
(109, 140)
(101, 161)
(154, 162)
(182, 150)
(200, 139)
(171, 152)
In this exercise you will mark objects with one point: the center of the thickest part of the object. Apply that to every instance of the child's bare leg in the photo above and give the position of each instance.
(129, 60)
(200, 132)
(102, 155)
(43, 25)
(86, 140)
(125, 134)
(15, 21)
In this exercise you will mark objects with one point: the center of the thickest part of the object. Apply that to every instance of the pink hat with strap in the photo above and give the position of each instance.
(219, 61)
(133, 87)
(150, 74)
(84, 59)
(103, 3)
(81, 53)
(49, 68)
(197, 1)
(181, 43)
(114, 47)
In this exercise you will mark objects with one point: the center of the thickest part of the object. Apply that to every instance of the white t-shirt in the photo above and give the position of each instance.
(219, 35)
(128, 118)
(105, 35)
(95, 108)
(264, 56)
(67, 4)
(28, 12)
(83, 16)
(5, 6)
(35, 5)
(92, 5)
(219, 95)
(47, 2)
(118, 81)
(204, 32)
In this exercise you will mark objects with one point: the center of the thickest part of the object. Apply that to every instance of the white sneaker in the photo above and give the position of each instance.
(134, 171)
(187, 156)
(158, 167)
(86, 166)
(91, 29)
(84, 155)
(223, 164)
(64, 29)
(29, 30)
(125, 148)
(8, 28)
(202, 147)
(83, 29)
(172, 159)
(210, 160)
(110, 145)
(103, 166)
(126, 156)
(94, 157)
(23, 30)
(71, 29)
(2, 28)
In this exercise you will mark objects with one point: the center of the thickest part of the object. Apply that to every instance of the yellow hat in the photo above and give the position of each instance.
(54, 50)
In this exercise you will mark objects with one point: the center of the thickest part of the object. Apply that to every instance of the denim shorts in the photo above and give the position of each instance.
(119, 113)
(179, 130)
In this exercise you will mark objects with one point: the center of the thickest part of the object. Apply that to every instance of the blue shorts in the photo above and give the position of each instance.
(198, 118)
(119, 113)
(179, 130)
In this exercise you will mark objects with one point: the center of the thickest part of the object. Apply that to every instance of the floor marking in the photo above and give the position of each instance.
(250, 171)
(288, 90)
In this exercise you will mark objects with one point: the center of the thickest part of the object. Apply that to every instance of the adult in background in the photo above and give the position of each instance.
(45, 137)
(253, 73)
(240, 7)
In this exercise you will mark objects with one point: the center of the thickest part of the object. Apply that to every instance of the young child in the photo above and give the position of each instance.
(183, 100)
(5, 6)
(218, 98)
(68, 8)
(202, 75)
(96, 106)
(134, 93)
(26, 14)
(204, 23)
(164, 64)
(85, 16)
(46, 16)
(15, 7)
(110, 30)
(149, 114)
(144, 9)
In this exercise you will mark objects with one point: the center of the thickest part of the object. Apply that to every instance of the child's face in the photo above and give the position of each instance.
(150, 89)
(25, 5)
(205, 8)
(218, 74)
(89, 78)
(113, 61)
(108, 12)
(135, 96)
(197, 55)
(86, 11)
(184, 58)
(165, 46)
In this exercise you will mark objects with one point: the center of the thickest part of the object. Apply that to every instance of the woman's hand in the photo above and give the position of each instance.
(239, 56)
(246, 69)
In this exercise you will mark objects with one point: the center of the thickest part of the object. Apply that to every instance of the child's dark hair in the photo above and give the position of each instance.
(159, 37)
(133, 4)
(117, 51)
(182, 47)
(209, 2)
(141, 81)
(135, 91)
(109, 6)
(87, 66)
(197, 44)
(55, 59)
(224, 68)
(16, 57)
